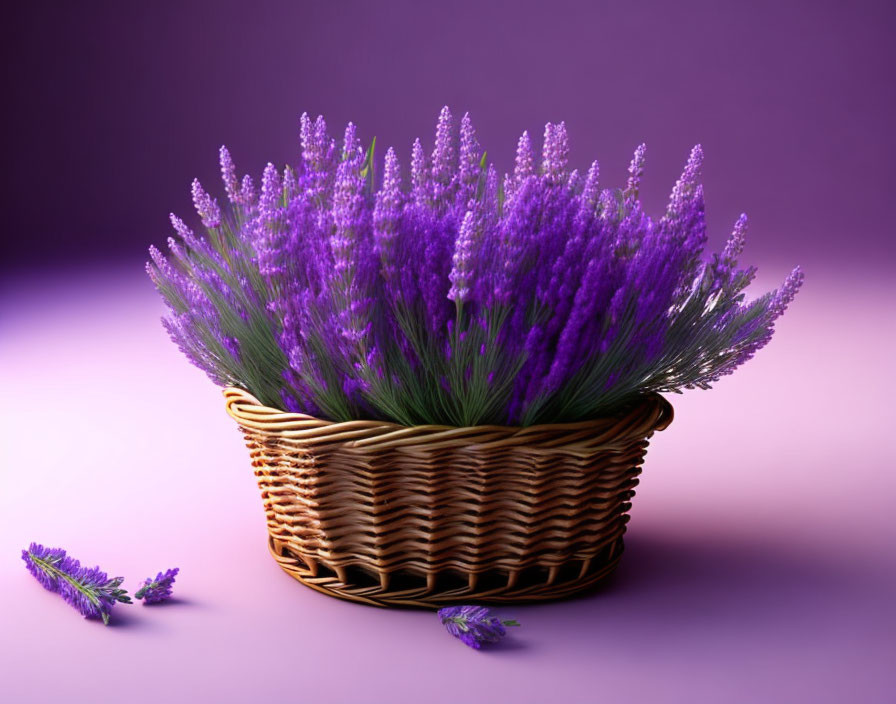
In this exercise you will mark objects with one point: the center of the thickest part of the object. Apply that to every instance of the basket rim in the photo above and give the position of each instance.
(651, 412)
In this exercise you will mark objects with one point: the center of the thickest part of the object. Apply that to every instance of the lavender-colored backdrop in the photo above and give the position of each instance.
(114, 108)
(759, 564)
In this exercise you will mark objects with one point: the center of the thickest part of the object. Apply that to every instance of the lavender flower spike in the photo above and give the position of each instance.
(228, 175)
(735, 244)
(88, 589)
(635, 172)
(687, 183)
(443, 154)
(418, 171)
(271, 192)
(152, 591)
(524, 167)
(461, 272)
(591, 189)
(206, 206)
(555, 152)
(474, 625)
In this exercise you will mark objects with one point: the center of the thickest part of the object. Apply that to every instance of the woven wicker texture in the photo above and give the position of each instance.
(430, 515)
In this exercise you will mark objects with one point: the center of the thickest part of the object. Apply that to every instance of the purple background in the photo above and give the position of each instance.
(115, 108)
(759, 563)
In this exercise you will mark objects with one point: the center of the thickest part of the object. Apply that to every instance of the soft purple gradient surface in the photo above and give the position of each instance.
(115, 107)
(759, 562)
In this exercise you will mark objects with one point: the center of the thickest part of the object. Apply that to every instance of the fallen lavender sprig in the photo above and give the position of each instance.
(152, 591)
(474, 625)
(88, 589)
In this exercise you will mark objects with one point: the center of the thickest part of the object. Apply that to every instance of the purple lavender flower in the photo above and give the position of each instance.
(271, 192)
(419, 177)
(468, 160)
(591, 188)
(635, 171)
(524, 166)
(684, 187)
(247, 191)
(387, 212)
(206, 206)
(474, 625)
(555, 154)
(463, 251)
(443, 163)
(88, 589)
(152, 591)
(449, 300)
(228, 175)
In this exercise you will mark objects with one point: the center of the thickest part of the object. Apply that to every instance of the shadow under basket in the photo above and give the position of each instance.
(427, 516)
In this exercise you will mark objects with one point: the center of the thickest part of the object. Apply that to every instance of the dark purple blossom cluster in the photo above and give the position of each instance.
(475, 626)
(88, 589)
(153, 591)
(449, 295)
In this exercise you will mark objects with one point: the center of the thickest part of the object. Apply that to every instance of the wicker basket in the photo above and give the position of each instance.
(426, 516)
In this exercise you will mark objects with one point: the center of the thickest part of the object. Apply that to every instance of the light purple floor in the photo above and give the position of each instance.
(759, 564)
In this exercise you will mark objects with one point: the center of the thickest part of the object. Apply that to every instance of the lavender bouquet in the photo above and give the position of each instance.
(449, 295)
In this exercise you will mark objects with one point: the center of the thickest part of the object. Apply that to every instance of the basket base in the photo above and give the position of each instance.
(532, 585)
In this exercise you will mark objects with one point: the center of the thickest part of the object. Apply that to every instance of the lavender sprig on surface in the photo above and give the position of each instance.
(445, 299)
(474, 625)
(152, 591)
(88, 589)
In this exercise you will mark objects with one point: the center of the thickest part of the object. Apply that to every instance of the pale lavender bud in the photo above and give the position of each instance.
(271, 193)
(206, 206)
(177, 250)
(391, 188)
(320, 134)
(418, 169)
(469, 152)
(387, 209)
(347, 211)
(315, 143)
(686, 185)
(289, 183)
(180, 227)
(507, 189)
(555, 153)
(784, 296)
(591, 189)
(609, 208)
(350, 143)
(524, 167)
(306, 137)
(186, 234)
(525, 160)
(162, 264)
(247, 191)
(443, 154)
(735, 244)
(461, 270)
(228, 175)
(635, 172)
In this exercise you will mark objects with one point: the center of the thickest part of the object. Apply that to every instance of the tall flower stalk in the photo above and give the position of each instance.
(453, 296)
